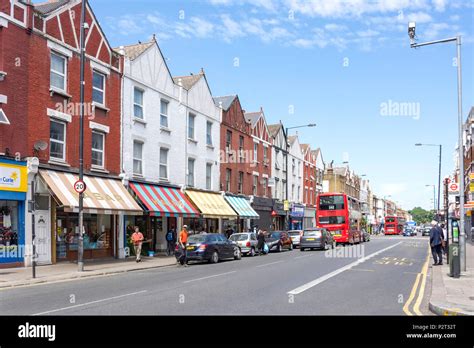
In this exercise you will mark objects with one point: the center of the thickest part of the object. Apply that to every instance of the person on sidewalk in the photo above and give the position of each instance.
(260, 242)
(182, 240)
(436, 241)
(137, 240)
(170, 241)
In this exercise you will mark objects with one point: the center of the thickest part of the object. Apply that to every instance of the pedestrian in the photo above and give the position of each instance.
(260, 242)
(436, 241)
(170, 241)
(182, 240)
(445, 239)
(137, 240)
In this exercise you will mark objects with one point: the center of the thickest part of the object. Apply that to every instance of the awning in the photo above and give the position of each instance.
(242, 207)
(164, 201)
(102, 195)
(211, 205)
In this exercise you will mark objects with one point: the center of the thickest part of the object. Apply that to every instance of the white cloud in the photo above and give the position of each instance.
(439, 5)
(335, 27)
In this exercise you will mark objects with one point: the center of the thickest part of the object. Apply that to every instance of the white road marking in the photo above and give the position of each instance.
(268, 264)
(92, 302)
(319, 280)
(301, 257)
(212, 276)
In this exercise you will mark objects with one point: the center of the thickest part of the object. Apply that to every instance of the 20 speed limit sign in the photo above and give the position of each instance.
(79, 186)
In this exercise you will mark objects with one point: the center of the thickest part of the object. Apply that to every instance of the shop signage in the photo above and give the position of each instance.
(271, 182)
(13, 177)
(286, 205)
(297, 210)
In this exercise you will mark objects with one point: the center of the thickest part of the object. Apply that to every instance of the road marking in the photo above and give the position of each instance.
(421, 293)
(301, 257)
(362, 269)
(319, 280)
(406, 307)
(212, 276)
(92, 302)
(268, 264)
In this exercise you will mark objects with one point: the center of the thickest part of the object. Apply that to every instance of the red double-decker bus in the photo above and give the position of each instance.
(340, 214)
(394, 225)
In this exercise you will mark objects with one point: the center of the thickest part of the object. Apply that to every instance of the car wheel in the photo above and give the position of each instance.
(291, 246)
(237, 254)
(279, 248)
(214, 257)
(252, 252)
(301, 249)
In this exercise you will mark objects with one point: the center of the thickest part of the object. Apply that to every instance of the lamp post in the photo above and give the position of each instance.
(457, 40)
(80, 241)
(434, 196)
(439, 173)
(286, 163)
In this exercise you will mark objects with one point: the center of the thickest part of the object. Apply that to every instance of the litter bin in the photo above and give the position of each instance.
(454, 260)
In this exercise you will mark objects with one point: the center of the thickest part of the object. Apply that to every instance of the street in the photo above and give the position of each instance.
(377, 278)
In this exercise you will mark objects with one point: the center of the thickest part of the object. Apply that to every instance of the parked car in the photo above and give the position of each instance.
(295, 237)
(210, 247)
(365, 235)
(246, 241)
(426, 231)
(317, 238)
(278, 240)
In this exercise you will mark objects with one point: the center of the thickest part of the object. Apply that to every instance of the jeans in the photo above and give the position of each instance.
(437, 253)
(170, 248)
(138, 250)
(183, 258)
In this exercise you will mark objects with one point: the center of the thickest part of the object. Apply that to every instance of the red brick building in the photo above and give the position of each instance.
(236, 147)
(309, 176)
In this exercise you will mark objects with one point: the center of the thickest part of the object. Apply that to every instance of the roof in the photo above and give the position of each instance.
(304, 147)
(292, 138)
(274, 129)
(340, 170)
(47, 7)
(253, 117)
(133, 51)
(316, 152)
(188, 81)
(225, 100)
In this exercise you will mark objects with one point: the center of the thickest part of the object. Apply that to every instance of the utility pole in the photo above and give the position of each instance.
(80, 244)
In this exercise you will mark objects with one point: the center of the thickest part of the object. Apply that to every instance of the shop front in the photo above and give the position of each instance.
(246, 214)
(296, 216)
(263, 207)
(216, 214)
(309, 217)
(13, 188)
(165, 208)
(278, 216)
(106, 201)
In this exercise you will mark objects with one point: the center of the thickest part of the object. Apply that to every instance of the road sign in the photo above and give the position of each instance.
(79, 186)
(453, 188)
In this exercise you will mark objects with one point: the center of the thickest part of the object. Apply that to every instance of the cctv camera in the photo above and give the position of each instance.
(411, 30)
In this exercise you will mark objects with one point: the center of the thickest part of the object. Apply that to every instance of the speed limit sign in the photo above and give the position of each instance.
(79, 186)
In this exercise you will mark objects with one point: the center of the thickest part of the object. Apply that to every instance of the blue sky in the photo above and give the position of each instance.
(335, 63)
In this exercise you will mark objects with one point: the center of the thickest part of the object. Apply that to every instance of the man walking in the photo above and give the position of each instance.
(170, 241)
(182, 240)
(137, 240)
(436, 240)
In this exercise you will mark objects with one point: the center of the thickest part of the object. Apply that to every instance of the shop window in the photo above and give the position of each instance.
(9, 233)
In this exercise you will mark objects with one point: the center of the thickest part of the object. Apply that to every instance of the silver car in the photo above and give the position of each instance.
(295, 236)
(246, 241)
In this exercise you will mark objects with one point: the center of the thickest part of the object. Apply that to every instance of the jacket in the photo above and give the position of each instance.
(436, 236)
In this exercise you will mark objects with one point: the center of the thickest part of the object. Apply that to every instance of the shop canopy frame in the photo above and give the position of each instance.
(211, 205)
(242, 207)
(164, 201)
(102, 195)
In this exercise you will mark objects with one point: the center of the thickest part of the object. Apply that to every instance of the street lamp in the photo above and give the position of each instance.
(457, 39)
(286, 162)
(439, 171)
(434, 196)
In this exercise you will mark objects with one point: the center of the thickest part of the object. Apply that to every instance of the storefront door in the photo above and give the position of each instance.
(43, 236)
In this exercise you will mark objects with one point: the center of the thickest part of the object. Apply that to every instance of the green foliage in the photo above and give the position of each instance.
(421, 216)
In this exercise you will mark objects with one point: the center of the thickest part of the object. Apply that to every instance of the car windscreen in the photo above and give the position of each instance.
(198, 238)
(275, 235)
(312, 233)
(332, 220)
(331, 202)
(238, 237)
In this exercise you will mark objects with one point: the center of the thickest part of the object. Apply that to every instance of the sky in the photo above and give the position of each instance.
(345, 65)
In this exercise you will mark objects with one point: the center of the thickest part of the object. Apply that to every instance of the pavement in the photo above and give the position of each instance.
(386, 276)
(64, 271)
(453, 296)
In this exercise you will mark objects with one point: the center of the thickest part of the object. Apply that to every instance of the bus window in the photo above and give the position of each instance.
(331, 202)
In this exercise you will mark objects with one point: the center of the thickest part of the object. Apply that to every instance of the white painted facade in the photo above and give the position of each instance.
(295, 174)
(279, 165)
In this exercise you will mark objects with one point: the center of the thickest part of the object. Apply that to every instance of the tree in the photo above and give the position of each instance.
(421, 216)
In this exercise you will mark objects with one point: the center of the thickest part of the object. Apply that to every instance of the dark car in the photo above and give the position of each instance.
(210, 247)
(426, 231)
(278, 240)
(317, 238)
(407, 232)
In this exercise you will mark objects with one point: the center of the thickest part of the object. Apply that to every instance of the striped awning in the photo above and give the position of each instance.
(164, 201)
(211, 205)
(102, 195)
(242, 207)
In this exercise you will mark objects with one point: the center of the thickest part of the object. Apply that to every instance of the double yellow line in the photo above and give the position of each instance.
(413, 293)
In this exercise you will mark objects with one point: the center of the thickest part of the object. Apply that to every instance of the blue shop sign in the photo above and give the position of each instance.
(297, 210)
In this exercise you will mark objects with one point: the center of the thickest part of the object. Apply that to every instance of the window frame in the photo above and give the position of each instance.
(142, 105)
(97, 89)
(193, 161)
(255, 152)
(240, 184)
(64, 124)
(161, 164)
(136, 159)
(102, 134)
(208, 177)
(209, 140)
(64, 75)
(255, 185)
(191, 116)
(162, 115)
